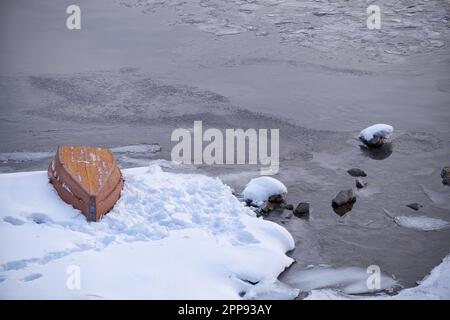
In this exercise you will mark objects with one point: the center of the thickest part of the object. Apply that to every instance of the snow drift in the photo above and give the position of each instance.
(170, 236)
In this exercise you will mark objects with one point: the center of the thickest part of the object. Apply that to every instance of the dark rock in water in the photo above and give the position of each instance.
(272, 206)
(415, 206)
(355, 172)
(360, 183)
(267, 207)
(375, 142)
(344, 197)
(249, 203)
(343, 202)
(445, 175)
(277, 198)
(289, 207)
(342, 210)
(302, 209)
(379, 153)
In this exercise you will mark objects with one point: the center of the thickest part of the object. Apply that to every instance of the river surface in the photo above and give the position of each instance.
(139, 69)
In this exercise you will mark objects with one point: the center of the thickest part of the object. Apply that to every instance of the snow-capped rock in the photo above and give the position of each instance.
(376, 135)
(261, 189)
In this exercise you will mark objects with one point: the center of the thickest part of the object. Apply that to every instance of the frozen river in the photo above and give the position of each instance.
(137, 70)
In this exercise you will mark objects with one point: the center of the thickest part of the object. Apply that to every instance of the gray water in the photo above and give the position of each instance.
(139, 69)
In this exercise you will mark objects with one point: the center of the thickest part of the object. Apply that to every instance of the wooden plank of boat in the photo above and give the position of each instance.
(87, 178)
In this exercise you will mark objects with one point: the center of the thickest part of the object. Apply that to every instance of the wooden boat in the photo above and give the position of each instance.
(87, 178)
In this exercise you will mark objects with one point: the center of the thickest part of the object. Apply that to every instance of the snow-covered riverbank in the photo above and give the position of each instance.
(169, 236)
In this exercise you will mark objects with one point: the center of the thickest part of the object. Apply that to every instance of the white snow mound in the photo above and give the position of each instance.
(377, 130)
(260, 189)
(170, 236)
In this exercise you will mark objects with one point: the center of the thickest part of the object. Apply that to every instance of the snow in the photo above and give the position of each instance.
(377, 130)
(273, 290)
(170, 236)
(421, 223)
(260, 189)
(434, 286)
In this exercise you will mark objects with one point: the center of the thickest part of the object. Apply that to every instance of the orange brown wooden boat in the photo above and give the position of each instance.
(87, 178)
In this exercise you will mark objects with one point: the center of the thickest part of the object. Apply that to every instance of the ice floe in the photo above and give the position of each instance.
(24, 156)
(138, 148)
(421, 223)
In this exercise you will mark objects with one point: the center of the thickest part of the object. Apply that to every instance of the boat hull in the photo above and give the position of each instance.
(93, 187)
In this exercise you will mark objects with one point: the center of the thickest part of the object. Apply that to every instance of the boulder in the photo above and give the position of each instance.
(344, 197)
(302, 209)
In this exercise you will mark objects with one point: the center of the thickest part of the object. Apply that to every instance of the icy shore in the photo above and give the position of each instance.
(435, 286)
(170, 236)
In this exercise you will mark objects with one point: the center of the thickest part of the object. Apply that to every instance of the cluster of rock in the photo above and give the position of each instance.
(278, 202)
(266, 194)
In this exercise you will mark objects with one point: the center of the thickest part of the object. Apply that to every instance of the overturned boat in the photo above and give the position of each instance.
(87, 178)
